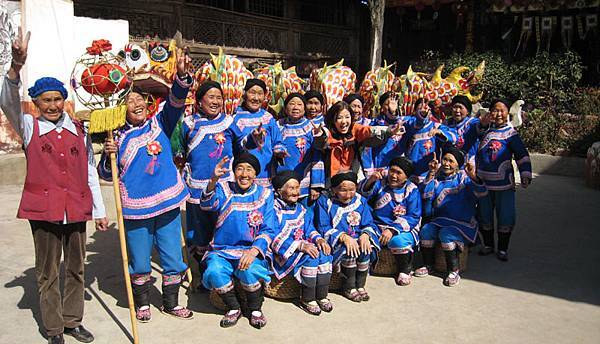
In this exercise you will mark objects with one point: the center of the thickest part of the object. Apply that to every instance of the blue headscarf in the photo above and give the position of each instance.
(46, 84)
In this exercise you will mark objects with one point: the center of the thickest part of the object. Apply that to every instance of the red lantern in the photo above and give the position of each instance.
(103, 79)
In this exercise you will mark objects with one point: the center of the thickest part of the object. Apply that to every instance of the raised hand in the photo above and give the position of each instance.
(259, 134)
(377, 175)
(183, 62)
(365, 243)
(110, 147)
(221, 169)
(397, 129)
(434, 164)
(19, 53)
(393, 103)
(317, 130)
(470, 170)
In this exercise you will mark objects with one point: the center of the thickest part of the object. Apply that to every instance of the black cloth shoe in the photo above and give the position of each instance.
(80, 333)
(58, 339)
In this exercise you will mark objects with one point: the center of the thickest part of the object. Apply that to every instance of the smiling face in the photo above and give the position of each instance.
(212, 102)
(499, 114)
(343, 121)
(345, 191)
(396, 177)
(254, 98)
(356, 108)
(290, 191)
(449, 164)
(424, 109)
(459, 112)
(51, 105)
(137, 108)
(244, 175)
(313, 108)
(295, 109)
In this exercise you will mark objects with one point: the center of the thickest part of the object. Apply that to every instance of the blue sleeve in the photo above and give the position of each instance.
(476, 188)
(449, 135)
(413, 211)
(214, 200)
(276, 139)
(310, 232)
(174, 105)
(521, 156)
(267, 229)
(238, 138)
(371, 192)
(324, 223)
(427, 197)
(367, 224)
(104, 170)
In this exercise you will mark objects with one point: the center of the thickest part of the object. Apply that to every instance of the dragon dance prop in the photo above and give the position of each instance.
(230, 72)
(280, 83)
(101, 84)
(334, 82)
(376, 83)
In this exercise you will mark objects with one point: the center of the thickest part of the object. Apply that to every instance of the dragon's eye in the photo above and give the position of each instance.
(135, 54)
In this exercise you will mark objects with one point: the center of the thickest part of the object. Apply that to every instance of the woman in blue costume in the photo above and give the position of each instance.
(452, 194)
(500, 144)
(297, 134)
(396, 203)
(152, 192)
(466, 128)
(207, 137)
(259, 131)
(345, 221)
(244, 231)
(298, 247)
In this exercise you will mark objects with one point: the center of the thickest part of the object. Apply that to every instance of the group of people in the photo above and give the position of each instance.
(309, 194)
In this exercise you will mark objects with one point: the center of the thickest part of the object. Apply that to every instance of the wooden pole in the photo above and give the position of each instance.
(186, 260)
(123, 240)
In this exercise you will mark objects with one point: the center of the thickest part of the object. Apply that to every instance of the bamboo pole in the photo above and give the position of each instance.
(123, 240)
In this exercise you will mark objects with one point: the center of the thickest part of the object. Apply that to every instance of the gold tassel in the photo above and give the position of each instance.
(104, 120)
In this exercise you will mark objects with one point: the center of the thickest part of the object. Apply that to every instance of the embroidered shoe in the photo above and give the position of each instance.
(311, 307)
(502, 255)
(352, 295)
(423, 271)
(178, 312)
(452, 279)
(403, 279)
(142, 314)
(364, 296)
(485, 250)
(231, 318)
(258, 320)
(326, 305)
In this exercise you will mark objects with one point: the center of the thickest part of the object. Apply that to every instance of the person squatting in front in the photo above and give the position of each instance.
(345, 221)
(298, 247)
(450, 196)
(396, 203)
(244, 231)
(500, 143)
(152, 192)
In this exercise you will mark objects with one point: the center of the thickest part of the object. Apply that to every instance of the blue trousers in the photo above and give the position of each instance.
(448, 236)
(503, 204)
(164, 233)
(402, 242)
(220, 271)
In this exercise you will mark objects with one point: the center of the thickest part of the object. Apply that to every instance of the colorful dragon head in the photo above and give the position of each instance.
(280, 82)
(334, 82)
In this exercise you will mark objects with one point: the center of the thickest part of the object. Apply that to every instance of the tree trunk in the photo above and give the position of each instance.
(469, 29)
(377, 9)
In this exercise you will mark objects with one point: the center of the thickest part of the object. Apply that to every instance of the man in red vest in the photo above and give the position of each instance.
(60, 194)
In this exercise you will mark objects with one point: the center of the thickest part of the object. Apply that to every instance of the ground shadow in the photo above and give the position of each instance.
(30, 299)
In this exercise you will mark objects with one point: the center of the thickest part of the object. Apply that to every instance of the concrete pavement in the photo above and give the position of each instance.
(547, 293)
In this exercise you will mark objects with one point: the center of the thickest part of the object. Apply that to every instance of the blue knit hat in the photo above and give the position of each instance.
(46, 84)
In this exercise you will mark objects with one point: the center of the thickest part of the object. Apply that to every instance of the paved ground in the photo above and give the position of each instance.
(547, 293)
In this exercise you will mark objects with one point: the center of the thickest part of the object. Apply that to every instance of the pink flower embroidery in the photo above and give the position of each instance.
(301, 145)
(255, 219)
(353, 218)
(428, 145)
(399, 210)
(495, 147)
(460, 143)
(298, 233)
(153, 148)
(220, 140)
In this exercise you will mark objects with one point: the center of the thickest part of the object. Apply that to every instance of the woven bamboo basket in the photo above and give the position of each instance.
(216, 301)
(440, 259)
(284, 289)
(386, 263)
(336, 281)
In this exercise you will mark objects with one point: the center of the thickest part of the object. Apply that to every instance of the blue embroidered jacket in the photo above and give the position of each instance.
(244, 122)
(451, 202)
(245, 220)
(303, 158)
(150, 183)
(467, 135)
(422, 145)
(494, 158)
(295, 225)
